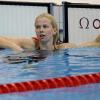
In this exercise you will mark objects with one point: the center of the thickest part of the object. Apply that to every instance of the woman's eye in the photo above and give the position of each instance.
(37, 27)
(45, 26)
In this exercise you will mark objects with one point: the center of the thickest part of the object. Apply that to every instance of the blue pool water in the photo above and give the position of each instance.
(67, 62)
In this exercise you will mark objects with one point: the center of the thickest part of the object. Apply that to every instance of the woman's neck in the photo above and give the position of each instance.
(46, 45)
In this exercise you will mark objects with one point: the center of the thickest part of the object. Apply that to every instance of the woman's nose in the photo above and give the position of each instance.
(41, 29)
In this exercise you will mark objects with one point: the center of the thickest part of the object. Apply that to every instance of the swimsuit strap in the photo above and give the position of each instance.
(36, 42)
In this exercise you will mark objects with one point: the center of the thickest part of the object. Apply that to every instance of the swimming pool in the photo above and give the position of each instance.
(77, 61)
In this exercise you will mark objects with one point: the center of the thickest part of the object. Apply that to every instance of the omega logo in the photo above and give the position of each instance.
(84, 23)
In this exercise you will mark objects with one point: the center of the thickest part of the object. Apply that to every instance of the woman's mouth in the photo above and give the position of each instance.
(42, 36)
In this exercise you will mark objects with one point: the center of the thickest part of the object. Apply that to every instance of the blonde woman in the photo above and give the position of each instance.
(47, 37)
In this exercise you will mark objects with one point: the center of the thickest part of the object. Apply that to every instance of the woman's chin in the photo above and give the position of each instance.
(43, 39)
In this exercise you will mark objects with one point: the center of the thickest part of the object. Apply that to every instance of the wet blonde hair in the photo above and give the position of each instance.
(54, 25)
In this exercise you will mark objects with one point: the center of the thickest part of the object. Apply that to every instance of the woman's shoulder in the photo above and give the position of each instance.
(36, 41)
(35, 38)
(67, 45)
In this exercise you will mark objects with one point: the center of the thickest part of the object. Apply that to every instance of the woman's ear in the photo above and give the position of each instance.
(55, 31)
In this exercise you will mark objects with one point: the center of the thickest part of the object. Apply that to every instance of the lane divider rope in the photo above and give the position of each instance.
(59, 82)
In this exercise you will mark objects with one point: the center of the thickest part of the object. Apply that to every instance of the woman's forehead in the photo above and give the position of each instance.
(43, 20)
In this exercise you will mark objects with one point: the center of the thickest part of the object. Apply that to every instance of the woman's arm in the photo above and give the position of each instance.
(17, 44)
(26, 43)
(67, 45)
(90, 44)
(7, 43)
(95, 43)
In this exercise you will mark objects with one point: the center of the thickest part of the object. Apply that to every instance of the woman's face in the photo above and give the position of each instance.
(44, 29)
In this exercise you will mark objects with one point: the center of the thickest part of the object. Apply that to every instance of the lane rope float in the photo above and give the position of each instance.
(59, 82)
